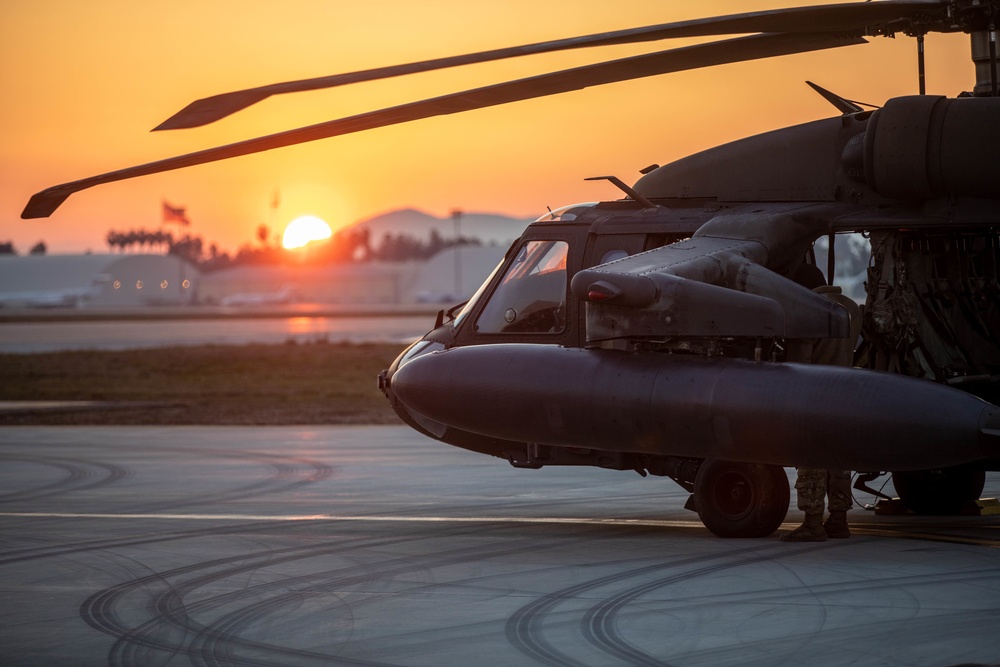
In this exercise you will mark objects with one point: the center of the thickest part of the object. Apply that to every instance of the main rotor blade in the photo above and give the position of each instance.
(857, 18)
(45, 202)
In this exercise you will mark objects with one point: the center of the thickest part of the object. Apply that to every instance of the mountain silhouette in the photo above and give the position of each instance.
(489, 228)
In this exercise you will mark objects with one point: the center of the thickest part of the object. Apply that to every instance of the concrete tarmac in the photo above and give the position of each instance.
(376, 546)
(54, 335)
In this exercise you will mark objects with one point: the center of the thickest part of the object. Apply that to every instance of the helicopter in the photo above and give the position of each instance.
(672, 332)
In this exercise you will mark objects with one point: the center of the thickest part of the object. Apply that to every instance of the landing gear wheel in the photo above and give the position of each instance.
(941, 491)
(741, 499)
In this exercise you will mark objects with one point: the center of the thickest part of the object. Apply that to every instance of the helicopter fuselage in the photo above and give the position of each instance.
(651, 338)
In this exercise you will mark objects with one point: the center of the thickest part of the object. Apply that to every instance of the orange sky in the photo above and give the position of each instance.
(83, 82)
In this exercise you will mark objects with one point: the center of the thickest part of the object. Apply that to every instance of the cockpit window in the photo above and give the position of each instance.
(531, 296)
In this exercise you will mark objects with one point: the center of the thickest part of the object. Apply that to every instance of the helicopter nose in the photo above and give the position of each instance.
(385, 378)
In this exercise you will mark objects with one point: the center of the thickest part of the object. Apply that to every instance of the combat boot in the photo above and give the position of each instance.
(811, 530)
(836, 525)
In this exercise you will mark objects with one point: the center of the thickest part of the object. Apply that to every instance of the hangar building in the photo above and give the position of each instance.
(450, 276)
(106, 280)
(111, 280)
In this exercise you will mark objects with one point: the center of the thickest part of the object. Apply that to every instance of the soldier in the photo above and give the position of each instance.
(812, 485)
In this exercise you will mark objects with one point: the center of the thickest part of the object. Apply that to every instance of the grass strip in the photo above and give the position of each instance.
(313, 383)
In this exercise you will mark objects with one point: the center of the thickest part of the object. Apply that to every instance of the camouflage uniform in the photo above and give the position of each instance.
(812, 485)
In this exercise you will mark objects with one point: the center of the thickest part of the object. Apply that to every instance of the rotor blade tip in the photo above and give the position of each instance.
(177, 122)
(44, 203)
(210, 109)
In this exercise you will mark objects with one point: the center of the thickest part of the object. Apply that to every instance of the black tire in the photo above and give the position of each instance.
(741, 499)
(939, 492)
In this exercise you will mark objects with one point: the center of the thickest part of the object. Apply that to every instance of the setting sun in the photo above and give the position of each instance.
(303, 230)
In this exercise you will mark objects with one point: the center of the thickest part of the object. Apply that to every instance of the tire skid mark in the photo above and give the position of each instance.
(207, 642)
(217, 639)
(287, 475)
(524, 627)
(600, 623)
(786, 593)
(171, 623)
(601, 626)
(172, 630)
(37, 553)
(800, 648)
(76, 471)
(885, 583)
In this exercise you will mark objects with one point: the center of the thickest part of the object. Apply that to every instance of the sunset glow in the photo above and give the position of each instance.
(305, 230)
(85, 82)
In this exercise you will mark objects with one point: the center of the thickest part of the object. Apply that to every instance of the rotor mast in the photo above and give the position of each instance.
(984, 57)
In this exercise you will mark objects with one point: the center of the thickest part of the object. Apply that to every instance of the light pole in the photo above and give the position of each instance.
(456, 216)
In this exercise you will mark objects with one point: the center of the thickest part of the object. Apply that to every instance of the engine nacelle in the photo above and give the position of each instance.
(925, 147)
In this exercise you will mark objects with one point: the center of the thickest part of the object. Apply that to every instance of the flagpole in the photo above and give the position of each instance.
(275, 203)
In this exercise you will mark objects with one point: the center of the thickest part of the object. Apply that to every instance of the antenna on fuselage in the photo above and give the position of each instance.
(844, 105)
(618, 183)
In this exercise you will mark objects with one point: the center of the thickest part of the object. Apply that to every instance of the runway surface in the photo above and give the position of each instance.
(56, 336)
(375, 546)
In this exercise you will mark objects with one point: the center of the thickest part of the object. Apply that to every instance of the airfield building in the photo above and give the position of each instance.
(106, 280)
(83, 281)
(450, 276)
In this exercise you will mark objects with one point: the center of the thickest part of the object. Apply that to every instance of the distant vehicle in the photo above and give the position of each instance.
(654, 333)
(66, 298)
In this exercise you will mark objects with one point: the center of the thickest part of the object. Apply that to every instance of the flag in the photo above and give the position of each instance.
(174, 214)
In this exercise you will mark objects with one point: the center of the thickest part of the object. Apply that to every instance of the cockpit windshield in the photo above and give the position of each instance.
(471, 303)
(531, 296)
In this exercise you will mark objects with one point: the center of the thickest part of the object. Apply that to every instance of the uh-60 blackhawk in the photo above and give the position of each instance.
(664, 332)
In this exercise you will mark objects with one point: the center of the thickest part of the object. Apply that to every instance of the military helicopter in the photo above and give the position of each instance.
(671, 332)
